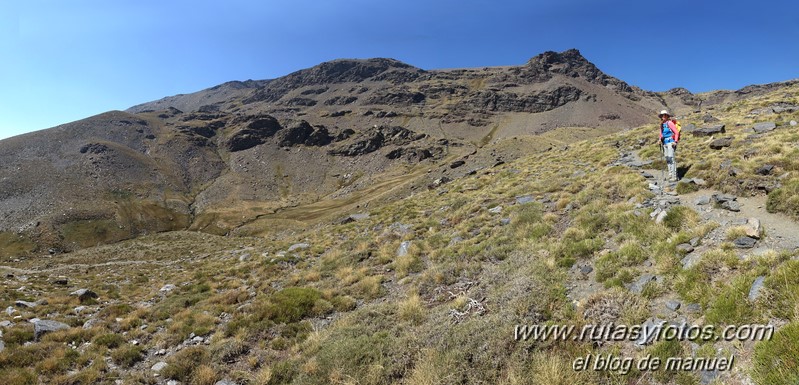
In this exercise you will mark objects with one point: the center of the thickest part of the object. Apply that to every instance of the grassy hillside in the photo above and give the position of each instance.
(428, 290)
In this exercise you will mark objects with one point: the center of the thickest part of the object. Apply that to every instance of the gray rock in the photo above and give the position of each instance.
(661, 217)
(84, 295)
(720, 143)
(764, 127)
(24, 304)
(159, 366)
(2, 346)
(10, 310)
(359, 216)
(744, 243)
(521, 200)
(690, 260)
(167, 288)
(298, 246)
(6, 324)
(694, 241)
(42, 327)
(793, 123)
(638, 286)
(756, 290)
(495, 210)
(402, 250)
(455, 240)
(703, 200)
(649, 331)
(92, 322)
(765, 169)
(693, 308)
(60, 281)
(685, 248)
(225, 382)
(673, 305)
(696, 181)
(244, 257)
(504, 221)
(721, 198)
(753, 228)
(710, 130)
(586, 269)
(173, 382)
(731, 206)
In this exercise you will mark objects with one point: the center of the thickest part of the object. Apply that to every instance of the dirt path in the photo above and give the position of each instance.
(781, 231)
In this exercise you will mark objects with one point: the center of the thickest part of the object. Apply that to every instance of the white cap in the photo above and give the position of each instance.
(664, 112)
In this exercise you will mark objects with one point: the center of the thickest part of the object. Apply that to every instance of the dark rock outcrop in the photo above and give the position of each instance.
(254, 133)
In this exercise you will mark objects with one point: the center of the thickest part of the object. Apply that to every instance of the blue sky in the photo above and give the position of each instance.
(62, 61)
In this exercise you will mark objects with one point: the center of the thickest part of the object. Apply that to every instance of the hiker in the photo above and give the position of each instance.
(669, 137)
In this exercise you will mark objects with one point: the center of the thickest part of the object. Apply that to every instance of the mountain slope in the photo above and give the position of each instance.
(250, 157)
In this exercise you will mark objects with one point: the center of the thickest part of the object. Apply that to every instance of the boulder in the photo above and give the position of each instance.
(457, 163)
(525, 199)
(586, 269)
(731, 206)
(685, 248)
(638, 286)
(495, 210)
(167, 288)
(84, 295)
(403, 248)
(673, 305)
(661, 217)
(710, 130)
(753, 228)
(718, 144)
(721, 198)
(159, 366)
(745, 242)
(703, 200)
(765, 169)
(42, 327)
(764, 127)
(756, 289)
(24, 304)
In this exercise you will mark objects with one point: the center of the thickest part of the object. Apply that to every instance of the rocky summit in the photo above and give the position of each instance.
(371, 222)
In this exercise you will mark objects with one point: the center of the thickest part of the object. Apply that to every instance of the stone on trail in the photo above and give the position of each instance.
(703, 200)
(745, 243)
(673, 305)
(753, 228)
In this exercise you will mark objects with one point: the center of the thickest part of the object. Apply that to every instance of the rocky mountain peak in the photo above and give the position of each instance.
(350, 70)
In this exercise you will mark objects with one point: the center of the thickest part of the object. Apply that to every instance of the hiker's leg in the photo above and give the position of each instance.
(668, 152)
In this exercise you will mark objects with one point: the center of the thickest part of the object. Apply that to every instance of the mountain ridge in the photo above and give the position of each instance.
(224, 158)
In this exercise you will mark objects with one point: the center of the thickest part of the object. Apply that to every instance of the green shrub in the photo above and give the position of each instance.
(181, 365)
(291, 304)
(776, 361)
(731, 305)
(109, 340)
(127, 356)
(785, 199)
(783, 285)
